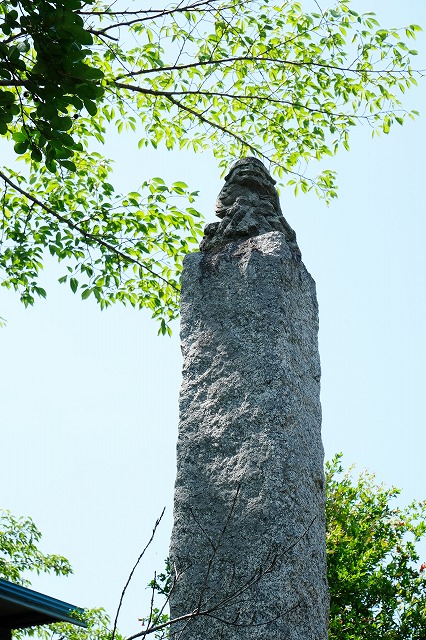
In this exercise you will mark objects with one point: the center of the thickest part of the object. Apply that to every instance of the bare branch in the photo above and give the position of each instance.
(151, 14)
(252, 623)
(14, 37)
(231, 598)
(207, 613)
(12, 83)
(217, 546)
(133, 571)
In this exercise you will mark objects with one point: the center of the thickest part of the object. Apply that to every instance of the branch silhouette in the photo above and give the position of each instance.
(214, 607)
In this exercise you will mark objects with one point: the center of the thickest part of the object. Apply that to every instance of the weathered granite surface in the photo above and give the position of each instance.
(248, 543)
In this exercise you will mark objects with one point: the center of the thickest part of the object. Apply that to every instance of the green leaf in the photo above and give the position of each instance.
(19, 136)
(68, 165)
(62, 123)
(90, 107)
(21, 147)
(89, 73)
(36, 154)
(6, 98)
(86, 293)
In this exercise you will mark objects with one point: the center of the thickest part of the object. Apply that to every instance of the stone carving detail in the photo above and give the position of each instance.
(248, 205)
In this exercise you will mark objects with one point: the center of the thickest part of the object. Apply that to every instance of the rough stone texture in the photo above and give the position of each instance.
(248, 542)
(248, 206)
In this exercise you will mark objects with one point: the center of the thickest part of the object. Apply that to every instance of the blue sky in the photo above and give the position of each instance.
(89, 398)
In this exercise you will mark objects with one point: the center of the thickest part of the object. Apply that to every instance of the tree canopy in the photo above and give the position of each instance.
(284, 82)
(377, 580)
(20, 553)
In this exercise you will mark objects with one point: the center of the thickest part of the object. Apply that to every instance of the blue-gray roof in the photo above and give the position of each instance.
(21, 607)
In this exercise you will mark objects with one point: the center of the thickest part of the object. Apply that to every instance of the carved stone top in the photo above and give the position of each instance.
(248, 205)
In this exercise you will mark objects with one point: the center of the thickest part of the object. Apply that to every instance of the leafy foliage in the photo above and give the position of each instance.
(19, 552)
(98, 628)
(44, 56)
(283, 82)
(162, 583)
(158, 617)
(377, 584)
(20, 555)
(127, 248)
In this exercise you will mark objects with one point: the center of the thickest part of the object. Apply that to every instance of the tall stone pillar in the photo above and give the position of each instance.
(248, 543)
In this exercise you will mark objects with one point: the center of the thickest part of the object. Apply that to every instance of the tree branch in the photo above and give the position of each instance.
(211, 611)
(291, 63)
(200, 117)
(132, 572)
(150, 14)
(12, 83)
(89, 236)
(242, 98)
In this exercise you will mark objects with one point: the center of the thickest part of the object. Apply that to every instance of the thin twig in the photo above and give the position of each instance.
(261, 59)
(212, 610)
(133, 571)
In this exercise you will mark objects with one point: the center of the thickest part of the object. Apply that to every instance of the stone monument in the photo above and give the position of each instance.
(248, 543)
